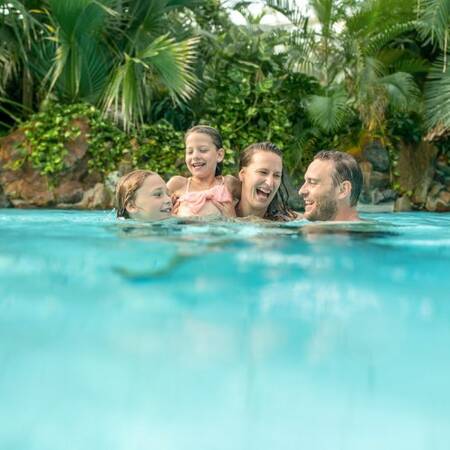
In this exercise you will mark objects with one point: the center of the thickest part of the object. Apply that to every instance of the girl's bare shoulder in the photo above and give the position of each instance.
(176, 183)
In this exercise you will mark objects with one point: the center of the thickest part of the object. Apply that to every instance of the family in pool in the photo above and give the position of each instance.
(333, 183)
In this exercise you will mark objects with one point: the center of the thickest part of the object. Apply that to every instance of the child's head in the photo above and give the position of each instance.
(143, 195)
(204, 151)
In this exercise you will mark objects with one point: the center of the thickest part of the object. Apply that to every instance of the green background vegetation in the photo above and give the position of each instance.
(141, 72)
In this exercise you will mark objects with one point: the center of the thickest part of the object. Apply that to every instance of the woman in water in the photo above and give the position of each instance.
(206, 192)
(264, 193)
(143, 195)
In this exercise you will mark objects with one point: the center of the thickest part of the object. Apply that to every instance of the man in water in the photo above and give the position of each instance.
(332, 186)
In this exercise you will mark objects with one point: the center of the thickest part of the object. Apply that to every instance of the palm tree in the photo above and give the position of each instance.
(434, 26)
(18, 29)
(348, 50)
(111, 53)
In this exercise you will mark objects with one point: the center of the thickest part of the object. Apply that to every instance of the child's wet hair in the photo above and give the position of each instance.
(126, 190)
(215, 137)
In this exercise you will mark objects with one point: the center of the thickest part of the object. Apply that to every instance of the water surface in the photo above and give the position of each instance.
(121, 336)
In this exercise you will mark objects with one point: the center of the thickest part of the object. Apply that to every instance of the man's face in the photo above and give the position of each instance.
(319, 192)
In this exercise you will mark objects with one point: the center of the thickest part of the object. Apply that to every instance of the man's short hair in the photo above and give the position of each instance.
(345, 169)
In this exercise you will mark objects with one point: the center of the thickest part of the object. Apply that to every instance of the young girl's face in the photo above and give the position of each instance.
(261, 179)
(151, 200)
(202, 156)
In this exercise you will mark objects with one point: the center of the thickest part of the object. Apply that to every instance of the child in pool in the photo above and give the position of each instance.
(206, 192)
(143, 195)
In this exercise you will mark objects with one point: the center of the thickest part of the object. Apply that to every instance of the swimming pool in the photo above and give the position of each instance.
(223, 336)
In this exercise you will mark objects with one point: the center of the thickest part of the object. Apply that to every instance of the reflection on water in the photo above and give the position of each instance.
(117, 335)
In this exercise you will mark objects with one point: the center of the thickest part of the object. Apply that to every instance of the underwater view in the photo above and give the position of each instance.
(193, 335)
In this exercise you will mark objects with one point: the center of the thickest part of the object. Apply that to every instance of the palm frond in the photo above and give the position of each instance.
(329, 113)
(163, 61)
(434, 22)
(379, 40)
(437, 97)
(402, 91)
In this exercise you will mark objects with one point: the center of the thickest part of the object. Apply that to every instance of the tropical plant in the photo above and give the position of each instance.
(350, 51)
(434, 26)
(111, 53)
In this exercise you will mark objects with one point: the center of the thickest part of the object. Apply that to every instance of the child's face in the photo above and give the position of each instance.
(202, 156)
(151, 200)
(261, 179)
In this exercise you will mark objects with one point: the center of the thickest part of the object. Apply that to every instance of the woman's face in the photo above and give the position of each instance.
(202, 155)
(261, 180)
(151, 200)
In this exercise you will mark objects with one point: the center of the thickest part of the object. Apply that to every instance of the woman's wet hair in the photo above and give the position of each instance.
(126, 190)
(345, 169)
(278, 208)
(215, 137)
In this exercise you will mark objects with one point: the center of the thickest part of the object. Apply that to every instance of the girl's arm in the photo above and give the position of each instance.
(176, 185)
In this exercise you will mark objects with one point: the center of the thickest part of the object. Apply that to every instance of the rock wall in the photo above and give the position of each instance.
(422, 174)
(75, 187)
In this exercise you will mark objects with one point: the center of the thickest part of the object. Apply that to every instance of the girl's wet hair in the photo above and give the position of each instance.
(215, 137)
(126, 190)
(278, 208)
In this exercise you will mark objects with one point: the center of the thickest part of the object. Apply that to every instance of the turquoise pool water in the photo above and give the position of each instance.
(223, 336)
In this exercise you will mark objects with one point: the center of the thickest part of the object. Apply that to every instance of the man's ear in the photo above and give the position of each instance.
(220, 154)
(345, 190)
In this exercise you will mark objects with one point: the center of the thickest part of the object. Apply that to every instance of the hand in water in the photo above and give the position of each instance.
(175, 204)
(226, 209)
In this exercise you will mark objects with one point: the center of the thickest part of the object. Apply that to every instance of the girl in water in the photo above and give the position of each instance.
(207, 192)
(143, 195)
(264, 193)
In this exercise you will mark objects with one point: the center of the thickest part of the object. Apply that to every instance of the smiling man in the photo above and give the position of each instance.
(332, 186)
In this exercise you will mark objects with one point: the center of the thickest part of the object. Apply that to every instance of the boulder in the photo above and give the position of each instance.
(383, 195)
(416, 169)
(4, 201)
(26, 188)
(377, 155)
(403, 204)
(69, 192)
(439, 202)
(78, 147)
(97, 197)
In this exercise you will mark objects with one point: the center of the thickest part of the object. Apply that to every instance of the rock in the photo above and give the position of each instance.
(416, 169)
(366, 169)
(111, 181)
(97, 197)
(435, 189)
(78, 147)
(379, 180)
(26, 188)
(383, 195)
(439, 202)
(69, 192)
(377, 155)
(403, 204)
(4, 201)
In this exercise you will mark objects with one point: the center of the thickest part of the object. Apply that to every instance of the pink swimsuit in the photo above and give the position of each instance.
(191, 203)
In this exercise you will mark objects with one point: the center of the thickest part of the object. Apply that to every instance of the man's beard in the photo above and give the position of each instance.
(326, 209)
